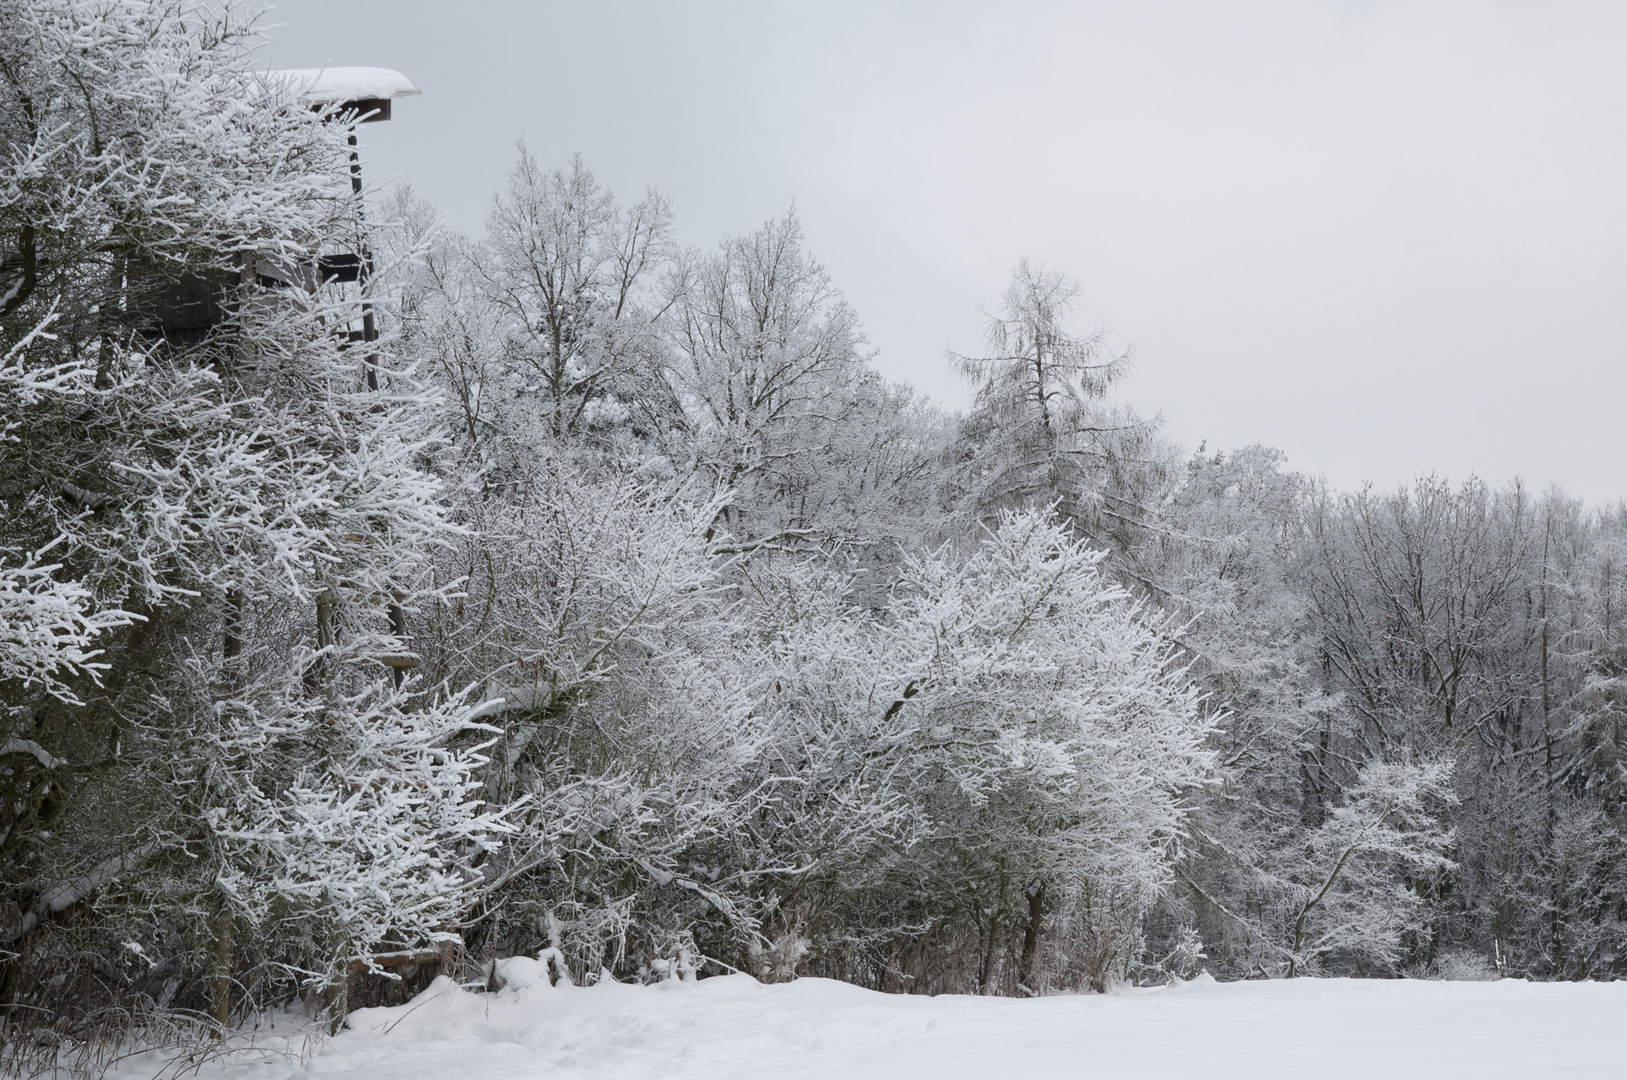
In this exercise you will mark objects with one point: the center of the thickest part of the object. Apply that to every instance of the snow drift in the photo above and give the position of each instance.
(733, 1026)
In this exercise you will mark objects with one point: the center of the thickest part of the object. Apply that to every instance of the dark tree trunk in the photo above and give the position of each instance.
(1036, 913)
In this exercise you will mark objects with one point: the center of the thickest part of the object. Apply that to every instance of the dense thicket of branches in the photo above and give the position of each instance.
(720, 649)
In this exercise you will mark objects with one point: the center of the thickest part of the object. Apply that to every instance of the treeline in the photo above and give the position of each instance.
(610, 606)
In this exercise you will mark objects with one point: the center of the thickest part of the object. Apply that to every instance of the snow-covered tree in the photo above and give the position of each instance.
(1040, 432)
(1051, 731)
(762, 350)
(573, 275)
(199, 451)
(1351, 892)
(47, 625)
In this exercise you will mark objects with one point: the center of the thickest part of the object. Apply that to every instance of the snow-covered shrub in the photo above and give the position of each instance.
(47, 624)
(602, 626)
(1461, 965)
(1040, 729)
(1349, 892)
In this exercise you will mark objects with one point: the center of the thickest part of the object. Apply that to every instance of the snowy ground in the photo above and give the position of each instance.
(724, 1028)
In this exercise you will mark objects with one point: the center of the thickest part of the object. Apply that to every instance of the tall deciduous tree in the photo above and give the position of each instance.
(574, 275)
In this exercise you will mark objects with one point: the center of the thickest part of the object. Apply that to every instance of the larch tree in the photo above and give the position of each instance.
(1040, 432)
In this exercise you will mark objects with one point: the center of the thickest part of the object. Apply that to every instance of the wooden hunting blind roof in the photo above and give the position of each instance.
(364, 90)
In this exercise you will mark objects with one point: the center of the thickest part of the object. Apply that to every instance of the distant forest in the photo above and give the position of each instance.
(376, 602)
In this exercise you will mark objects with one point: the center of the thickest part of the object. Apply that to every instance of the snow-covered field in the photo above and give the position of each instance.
(723, 1028)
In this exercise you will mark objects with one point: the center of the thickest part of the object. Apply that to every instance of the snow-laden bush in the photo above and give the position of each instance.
(725, 745)
(1049, 737)
(621, 686)
(1351, 885)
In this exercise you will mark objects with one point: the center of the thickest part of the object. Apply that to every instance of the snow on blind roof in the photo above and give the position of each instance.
(321, 86)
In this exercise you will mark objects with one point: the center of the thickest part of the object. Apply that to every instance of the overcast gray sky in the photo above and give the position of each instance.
(1390, 239)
